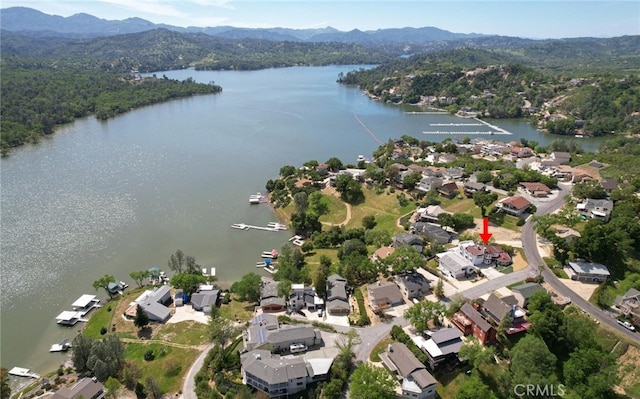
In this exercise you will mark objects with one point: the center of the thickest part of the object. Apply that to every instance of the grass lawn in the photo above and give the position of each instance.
(449, 383)
(100, 317)
(167, 369)
(464, 206)
(379, 348)
(337, 210)
(237, 309)
(186, 332)
(385, 207)
(507, 221)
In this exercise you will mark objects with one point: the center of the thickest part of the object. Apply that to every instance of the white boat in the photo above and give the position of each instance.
(22, 372)
(63, 346)
(240, 226)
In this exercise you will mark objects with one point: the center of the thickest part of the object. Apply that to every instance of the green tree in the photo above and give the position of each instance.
(176, 261)
(5, 390)
(371, 382)
(287, 171)
(484, 176)
(439, 289)
(113, 387)
(483, 199)
(301, 202)
(103, 282)
(476, 353)
(410, 181)
(474, 388)
(142, 319)
(531, 361)
(334, 164)
(187, 282)
(348, 342)
(248, 288)
(152, 388)
(284, 289)
(369, 222)
(221, 330)
(422, 312)
(139, 277)
(81, 352)
(404, 259)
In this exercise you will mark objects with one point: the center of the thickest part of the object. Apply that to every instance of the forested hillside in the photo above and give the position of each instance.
(497, 84)
(38, 94)
(161, 49)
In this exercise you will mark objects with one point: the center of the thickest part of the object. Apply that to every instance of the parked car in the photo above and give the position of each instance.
(627, 325)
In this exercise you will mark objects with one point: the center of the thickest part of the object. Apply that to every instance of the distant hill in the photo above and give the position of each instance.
(28, 21)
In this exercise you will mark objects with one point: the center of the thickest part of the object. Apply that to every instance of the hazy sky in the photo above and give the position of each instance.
(533, 19)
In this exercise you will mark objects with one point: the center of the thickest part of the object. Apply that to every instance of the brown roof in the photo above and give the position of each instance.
(517, 202)
(385, 290)
(535, 186)
(383, 252)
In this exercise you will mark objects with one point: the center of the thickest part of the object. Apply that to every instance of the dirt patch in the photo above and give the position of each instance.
(519, 263)
(629, 369)
(500, 234)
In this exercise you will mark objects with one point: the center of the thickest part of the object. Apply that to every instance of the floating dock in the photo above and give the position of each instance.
(271, 226)
(63, 346)
(22, 372)
(257, 198)
(455, 124)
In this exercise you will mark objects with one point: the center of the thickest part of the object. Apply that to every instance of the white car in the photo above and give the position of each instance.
(627, 325)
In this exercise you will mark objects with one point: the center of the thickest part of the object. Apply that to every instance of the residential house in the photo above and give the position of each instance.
(153, 303)
(515, 205)
(470, 322)
(413, 285)
(402, 239)
(595, 209)
(270, 301)
(277, 376)
(497, 310)
(521, 152)
(536, 189)
(609, 185)
(560, 157)
(629, 304)
(436, 171)
(383, 295)
(429, 214)
(448, 190)
(580, 176)
(485, 255)
(471, 188)
(566, 233)
(417, 382)
(304, 297)
(266, 333)
(86, 388)
(337, 298)
(205, 300)
(454, 265)
(442, 347)
(432, 232)
(455, 173)
(524, 292)
(429, 183)
(403, 175)
(587, 271)
(382, 253)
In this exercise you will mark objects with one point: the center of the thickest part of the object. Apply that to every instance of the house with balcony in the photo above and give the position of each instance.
(595, 209)
(535, 189)
(415, 380)
(413, 285)
(497, 310)
(429, 183)
(629, 304)
(471, 188)
(470, 322)
(270, 301)
(514, 206)
(383, 295)
(441, 348)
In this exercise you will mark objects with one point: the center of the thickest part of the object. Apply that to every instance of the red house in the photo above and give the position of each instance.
(470, 322)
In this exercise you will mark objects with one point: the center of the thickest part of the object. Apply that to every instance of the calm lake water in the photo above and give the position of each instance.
(122, 195)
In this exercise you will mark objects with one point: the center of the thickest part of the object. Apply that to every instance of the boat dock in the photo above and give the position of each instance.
(258, 198)
(496, 130)
(297, 240)
(455, 124)
(61, 347)
(22, 372)
(271, 226)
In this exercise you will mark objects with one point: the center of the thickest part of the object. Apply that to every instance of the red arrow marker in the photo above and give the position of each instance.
(485, 231)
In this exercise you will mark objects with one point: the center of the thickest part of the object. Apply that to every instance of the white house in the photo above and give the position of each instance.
(454, 265)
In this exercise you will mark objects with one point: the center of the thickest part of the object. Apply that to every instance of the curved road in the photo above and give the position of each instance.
(530, 246)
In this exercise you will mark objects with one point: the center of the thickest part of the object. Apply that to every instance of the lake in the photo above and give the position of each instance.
(122, 195)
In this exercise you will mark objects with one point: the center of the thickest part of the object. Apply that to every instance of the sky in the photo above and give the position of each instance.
(537, 19)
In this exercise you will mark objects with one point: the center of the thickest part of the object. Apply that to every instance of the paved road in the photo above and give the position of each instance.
(189, 385)
(372, 335)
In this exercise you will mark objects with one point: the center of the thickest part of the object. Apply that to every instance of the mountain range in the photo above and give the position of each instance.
(31, 22)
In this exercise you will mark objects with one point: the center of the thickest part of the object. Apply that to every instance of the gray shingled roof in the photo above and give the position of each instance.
(403, 359)
(528, 289)
(205, 298)
(475, 317)
(496, 308)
